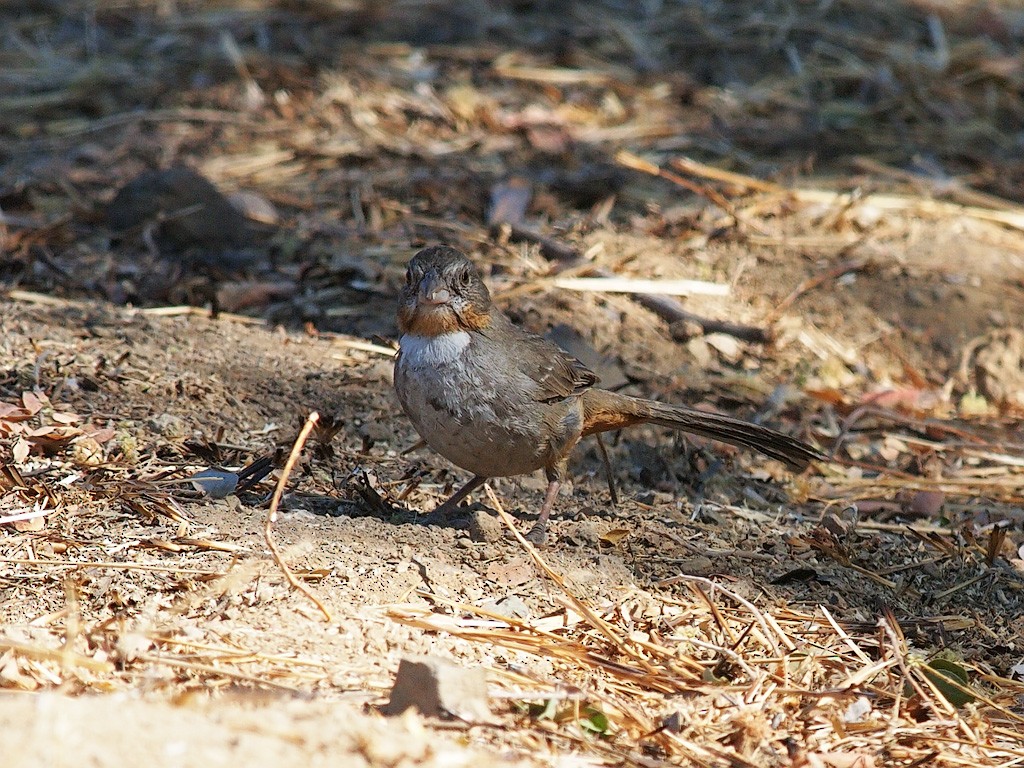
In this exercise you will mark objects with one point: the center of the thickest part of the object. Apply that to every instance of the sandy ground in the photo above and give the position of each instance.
(177, 391)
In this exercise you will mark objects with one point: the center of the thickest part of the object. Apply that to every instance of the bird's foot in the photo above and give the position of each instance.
(440, 516)
(447, 514)
(432, 518)
(538, 535)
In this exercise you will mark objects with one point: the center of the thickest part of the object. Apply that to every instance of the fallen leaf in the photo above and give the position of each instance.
(512, 573)
(846, 759)
(9, 409)
(33, 403)
(614, 536)
(20, 450)
(927, 503)
(32, 525)
(103, 435)
(215, 483)
(909, 398)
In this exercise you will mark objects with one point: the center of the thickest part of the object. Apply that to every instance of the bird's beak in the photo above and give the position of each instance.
(433, 290)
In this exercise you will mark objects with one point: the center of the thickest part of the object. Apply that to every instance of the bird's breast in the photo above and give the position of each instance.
(468, 405)
(432, 351)
(441, 383)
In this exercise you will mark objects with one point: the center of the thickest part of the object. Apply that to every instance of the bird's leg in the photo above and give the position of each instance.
(441, 513)
(539, 533)
(607, 469)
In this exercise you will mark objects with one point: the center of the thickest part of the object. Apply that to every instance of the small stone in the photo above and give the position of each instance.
(512, 606)
(835, 525)
(376, 432)
(215, 483)
(697, 565)
(585, 533)
(439, 688)
(726, 346)
(170, 427)
(859, 709)
(484, 526)
(927, 504)
(187, 209)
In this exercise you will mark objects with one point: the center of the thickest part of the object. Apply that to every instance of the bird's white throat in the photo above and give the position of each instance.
(431, 351)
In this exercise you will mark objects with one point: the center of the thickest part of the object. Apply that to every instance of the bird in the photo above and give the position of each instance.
(498, 401)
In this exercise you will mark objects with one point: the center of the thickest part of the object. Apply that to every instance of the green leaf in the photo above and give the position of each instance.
(595, 722)
(546, 711)
(940, 672)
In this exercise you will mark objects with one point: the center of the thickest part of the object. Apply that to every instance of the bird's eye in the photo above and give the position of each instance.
(408, 275)
(464, 278)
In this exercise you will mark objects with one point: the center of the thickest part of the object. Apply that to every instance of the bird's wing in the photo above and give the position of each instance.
(558, 374)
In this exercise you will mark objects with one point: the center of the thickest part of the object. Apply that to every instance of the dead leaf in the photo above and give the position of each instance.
(846, 759)
(614, 536)
(827, 395)
(927, 503)
(907, 398)
(33, 403)
(11, 676)
(103, 435)
(32, 525)
(513, 573)
(20, 450)
(9, 409)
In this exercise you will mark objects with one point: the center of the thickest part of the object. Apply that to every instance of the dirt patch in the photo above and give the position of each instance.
(212, 589)
(257, 729)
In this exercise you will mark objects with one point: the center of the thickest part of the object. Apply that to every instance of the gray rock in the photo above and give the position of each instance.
(484, 526)
(439, 688)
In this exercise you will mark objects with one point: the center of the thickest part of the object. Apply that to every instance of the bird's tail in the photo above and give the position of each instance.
(604, 411)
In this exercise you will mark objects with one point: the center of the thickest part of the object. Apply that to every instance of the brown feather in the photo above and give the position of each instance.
(603, 410)
(473, 319)
(603, 413)
(557, 373)
(418, 322)
(439, 320)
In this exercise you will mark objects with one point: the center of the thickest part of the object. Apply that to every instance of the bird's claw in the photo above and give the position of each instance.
(538, 535)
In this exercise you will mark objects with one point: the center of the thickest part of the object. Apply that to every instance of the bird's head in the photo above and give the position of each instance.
(443, 293)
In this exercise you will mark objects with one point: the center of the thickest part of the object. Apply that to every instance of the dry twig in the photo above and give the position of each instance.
(275, 501)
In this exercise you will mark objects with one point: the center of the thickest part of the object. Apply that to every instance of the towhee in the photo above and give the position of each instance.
(498, 401)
